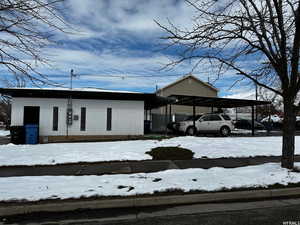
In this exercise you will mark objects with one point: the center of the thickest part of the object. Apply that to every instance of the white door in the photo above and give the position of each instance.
(204, 124)
(214, 122)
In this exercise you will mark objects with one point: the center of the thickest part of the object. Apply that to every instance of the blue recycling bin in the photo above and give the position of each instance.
(31, 134)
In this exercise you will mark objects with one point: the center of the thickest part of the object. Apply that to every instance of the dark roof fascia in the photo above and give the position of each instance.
(46, 93)
(215, 101)
(150, 99)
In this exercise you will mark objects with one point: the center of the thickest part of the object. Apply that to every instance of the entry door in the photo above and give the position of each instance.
(31, 115)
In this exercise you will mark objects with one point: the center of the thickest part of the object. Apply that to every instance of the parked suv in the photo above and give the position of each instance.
(208, 123)
(247, 124)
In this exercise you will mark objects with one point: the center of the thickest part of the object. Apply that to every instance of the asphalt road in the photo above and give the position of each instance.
(272, 212)
(4, 140)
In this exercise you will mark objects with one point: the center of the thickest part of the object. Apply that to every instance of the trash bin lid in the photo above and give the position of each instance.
(31, 126)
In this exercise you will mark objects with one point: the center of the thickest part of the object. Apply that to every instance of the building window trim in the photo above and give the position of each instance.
(55, 118)
(83, 119)
(109, 119)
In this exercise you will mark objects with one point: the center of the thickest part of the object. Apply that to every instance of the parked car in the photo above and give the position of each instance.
(273, 119)
(217, 123)
(247, 124)
(274, 122)
(174, 126)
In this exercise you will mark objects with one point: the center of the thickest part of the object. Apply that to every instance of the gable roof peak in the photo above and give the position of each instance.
(187, 76)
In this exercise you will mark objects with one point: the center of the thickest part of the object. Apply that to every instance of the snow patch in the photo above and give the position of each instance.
(210, 147)
(4, 133)
(34, 188)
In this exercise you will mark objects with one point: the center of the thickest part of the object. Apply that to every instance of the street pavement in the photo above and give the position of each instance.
(4, 140)
(280, 211)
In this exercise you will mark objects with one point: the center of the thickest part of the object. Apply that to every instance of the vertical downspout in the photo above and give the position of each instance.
(194, 115)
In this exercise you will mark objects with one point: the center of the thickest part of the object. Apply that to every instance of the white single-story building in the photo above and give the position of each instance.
(80, 114)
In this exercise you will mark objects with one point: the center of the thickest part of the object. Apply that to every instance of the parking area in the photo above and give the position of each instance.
(215, 121)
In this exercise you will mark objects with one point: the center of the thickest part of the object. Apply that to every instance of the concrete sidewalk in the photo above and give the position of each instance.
(100, 168)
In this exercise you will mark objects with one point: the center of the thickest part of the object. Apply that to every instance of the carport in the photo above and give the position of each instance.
(213, 102)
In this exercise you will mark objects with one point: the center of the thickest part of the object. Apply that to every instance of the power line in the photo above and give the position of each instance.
(130, 76)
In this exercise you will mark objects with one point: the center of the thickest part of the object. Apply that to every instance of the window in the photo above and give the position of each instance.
(226, 117)
(215, 118)
(55, 118)
(108, 119)
(205, 118)
(211, 118)
(83, 119)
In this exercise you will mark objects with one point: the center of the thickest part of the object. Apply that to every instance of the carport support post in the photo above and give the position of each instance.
(150, 118)
(170, 113)
(166, 119)
(269, 119)
(252, 121)
(194, 113)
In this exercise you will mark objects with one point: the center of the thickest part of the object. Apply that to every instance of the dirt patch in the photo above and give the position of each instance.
(171, 153)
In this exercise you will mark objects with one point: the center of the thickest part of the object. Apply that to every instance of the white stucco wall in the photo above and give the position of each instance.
(127, 116)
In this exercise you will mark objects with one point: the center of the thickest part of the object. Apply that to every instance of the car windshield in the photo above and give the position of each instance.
(226, 117)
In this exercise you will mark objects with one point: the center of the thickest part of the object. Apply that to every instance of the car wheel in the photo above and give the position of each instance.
(191, 131)
(225, 131)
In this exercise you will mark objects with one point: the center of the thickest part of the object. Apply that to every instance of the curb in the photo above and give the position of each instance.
(67, 205)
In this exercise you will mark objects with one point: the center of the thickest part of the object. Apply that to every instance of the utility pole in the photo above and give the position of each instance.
(256, 96)
(71, 78)
(69, 119)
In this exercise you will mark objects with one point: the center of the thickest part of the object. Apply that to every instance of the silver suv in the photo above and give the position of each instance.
(218, 123)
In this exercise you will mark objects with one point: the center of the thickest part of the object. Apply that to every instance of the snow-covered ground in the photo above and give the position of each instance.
(4, 133)
(214, 179)
(135, 150)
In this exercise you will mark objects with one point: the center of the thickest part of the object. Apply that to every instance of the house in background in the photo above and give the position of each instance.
(187, 85)
(80, 114)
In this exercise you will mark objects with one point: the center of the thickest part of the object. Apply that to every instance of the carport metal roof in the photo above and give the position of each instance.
(214, 101)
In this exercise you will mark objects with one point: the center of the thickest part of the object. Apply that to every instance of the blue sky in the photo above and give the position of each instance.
(116, 44)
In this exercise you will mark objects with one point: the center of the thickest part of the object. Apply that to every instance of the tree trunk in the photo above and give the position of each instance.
(288, 139)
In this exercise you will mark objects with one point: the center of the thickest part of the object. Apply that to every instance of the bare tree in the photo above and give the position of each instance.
(26, 27)
(229, 33)
(276, 106)
(5, 110)
(5, 100)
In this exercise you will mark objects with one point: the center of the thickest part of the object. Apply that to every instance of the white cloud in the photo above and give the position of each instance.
(108, 67)
(122, 60)
(135, 16)
(121, 23)
(242, 94)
